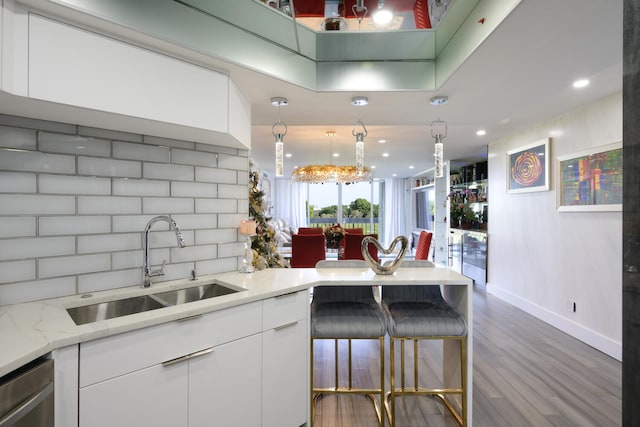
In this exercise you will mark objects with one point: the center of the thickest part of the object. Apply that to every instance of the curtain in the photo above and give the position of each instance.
(290, 199)
(394, 218)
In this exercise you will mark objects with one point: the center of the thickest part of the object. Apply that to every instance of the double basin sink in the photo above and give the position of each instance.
(138, 304)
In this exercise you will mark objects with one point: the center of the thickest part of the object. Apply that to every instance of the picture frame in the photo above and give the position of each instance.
(591, 180)
(528, 167)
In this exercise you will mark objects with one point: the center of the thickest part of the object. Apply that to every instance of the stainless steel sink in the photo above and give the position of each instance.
(111, 309)
(194, 293)
(124, 307)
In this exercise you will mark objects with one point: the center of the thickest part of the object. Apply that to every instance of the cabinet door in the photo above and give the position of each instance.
(224, 385)
(285, 368)
(155, 396)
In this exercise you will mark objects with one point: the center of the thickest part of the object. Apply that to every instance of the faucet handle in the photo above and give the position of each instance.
(160, 272)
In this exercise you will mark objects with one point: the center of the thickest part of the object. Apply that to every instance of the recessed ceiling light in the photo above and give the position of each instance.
(336, 154)
(579, 84)
(382, 141)
(481, 132)
(289, 155)
(439, 100)
(372, 166)
(359, 101)
(411, 167)
(385, 154)
(394, 174)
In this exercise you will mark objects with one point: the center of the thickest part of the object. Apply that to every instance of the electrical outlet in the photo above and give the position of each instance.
(574, 306)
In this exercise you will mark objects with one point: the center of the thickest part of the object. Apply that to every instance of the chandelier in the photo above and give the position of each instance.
(438, 132)
(319, 174)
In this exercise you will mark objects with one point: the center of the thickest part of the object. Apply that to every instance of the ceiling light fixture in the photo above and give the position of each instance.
(481, 132)
(359, 101)
(360, 135)
(319, 174)
(438, 132)
(382, 16)
(439, 100)
(279, 101)
(579, 84)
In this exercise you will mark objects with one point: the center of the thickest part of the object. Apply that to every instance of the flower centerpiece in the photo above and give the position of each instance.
(461, 214)
(333, 234)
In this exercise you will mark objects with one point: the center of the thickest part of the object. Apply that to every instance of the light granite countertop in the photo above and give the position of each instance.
(30, 330)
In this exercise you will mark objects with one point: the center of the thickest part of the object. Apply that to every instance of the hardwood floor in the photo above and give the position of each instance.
(526, 373)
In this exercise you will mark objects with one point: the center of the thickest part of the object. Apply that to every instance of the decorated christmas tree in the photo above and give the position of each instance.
(264, 243)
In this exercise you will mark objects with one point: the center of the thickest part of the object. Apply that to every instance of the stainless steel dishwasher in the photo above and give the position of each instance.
(26, 396)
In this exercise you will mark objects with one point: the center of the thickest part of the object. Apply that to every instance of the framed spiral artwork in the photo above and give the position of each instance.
(528, 167)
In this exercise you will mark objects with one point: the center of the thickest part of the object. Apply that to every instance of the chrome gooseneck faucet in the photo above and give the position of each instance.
(146, 268)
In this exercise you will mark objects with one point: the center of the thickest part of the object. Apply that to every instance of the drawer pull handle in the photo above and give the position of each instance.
(187, 357)
(287, 325)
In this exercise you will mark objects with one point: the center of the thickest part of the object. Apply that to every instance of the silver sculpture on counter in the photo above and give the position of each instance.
(390, 266)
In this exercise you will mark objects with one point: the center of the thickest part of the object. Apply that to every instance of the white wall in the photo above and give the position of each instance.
(540, 259)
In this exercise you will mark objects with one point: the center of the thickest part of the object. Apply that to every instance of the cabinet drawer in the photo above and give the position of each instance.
(284, 309)
(127, 352)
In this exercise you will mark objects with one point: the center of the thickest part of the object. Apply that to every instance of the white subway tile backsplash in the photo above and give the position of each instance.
(25, 122)
(108, 243)
(72, 144)
(221, 176)
(66, 266)
(230, 220)
(233, 162)
(18, 204)
(193, 189)
(227, 250)
(163, 205)
(220, 235)
(189, 157)
(23, 139)
(217, 149)
(140, 187)
(109, 205)
(19, 226)
(227, 191)
(65, 184)
(63, 225)
(150, 153)
(109, 134)
(191, 222)
(36, 247)
(216, 266)
(16, 182)
(66, 230)
(168, 142)
(16, 293)
(194, 253)
(109, 280)
(109, 167)
(165, 171)
(216, 206)
(16, 271)
(34, 161)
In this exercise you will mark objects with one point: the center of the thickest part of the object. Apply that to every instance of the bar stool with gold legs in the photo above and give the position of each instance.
(347, 312)
(416, 313)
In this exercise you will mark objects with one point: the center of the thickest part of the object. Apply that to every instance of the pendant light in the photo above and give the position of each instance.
(439, 133)
(279, 130)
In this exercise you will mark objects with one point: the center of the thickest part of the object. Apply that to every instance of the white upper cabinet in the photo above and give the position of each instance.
(77, 67)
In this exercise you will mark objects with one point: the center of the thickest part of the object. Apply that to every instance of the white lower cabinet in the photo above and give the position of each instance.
(285, 362)
(155, 396)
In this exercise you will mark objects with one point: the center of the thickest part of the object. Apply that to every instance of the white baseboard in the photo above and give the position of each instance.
(586, 335)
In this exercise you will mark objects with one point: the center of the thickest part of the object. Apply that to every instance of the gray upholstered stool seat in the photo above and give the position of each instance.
(347, 313)
(421, 313)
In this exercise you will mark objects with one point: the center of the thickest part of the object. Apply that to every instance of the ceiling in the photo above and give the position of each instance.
(520, 75)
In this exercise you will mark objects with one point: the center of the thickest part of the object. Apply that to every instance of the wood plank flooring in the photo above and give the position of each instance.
(526, 373)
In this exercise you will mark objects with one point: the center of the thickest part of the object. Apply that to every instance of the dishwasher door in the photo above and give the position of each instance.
(26, 396)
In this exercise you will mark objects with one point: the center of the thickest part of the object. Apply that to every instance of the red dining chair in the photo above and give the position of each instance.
(353, 231)
(424, 244)
(352, 246)
(307, 250)
(310, 230)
